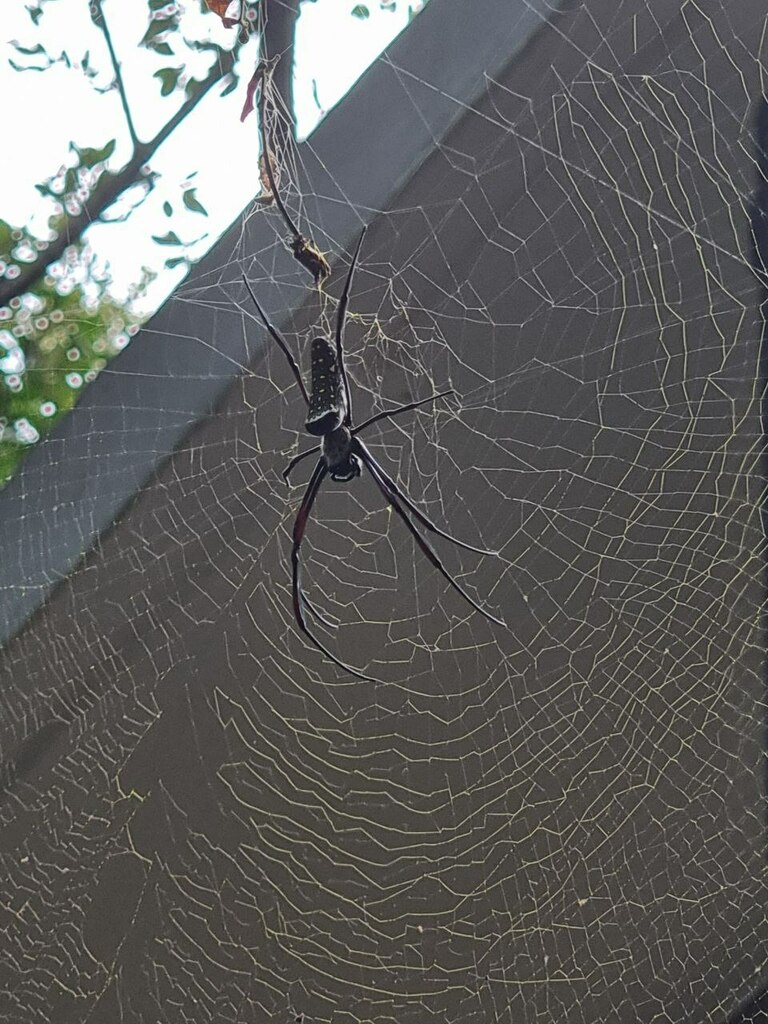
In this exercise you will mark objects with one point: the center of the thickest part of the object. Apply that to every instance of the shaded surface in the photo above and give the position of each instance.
(560, 822)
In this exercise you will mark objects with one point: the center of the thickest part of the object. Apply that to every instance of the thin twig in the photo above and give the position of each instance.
(118, 74)
(284, 348)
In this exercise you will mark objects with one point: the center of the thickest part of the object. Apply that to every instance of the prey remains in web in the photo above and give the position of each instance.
(304, 249)
(342, 456)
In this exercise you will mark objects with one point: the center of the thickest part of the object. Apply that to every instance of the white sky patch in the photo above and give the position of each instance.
(59, 106)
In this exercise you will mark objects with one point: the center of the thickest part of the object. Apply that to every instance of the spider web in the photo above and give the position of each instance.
(563, 820)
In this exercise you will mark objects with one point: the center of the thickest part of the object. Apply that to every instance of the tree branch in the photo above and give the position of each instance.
(109, 188)
(277, 38)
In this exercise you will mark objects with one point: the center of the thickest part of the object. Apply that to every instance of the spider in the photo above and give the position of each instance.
(343, 454)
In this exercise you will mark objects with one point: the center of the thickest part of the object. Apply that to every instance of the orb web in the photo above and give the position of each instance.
(203, 820)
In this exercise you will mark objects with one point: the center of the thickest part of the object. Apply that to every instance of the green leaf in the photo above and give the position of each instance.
(28, 51)
(162, 48)
(20, 67)
(167, 209)
(89, 157)
(156, 28)
(175, 261)
(170, 238)
(315, 97)
(193, 87)
(202, 46)
(169, 78)
(361, 11)
(193, 203)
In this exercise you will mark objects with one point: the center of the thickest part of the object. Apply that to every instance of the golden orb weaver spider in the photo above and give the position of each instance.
(342, 455)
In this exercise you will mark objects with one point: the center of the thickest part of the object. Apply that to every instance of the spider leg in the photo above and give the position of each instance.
(315, 611)
(341, 317)
(286, 351)
(297, 459)
(423, 543)
(299, 529)
(369, 459)
(401, 408)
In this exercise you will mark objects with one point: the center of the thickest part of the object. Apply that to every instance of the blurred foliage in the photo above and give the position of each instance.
(53, 343)
(164, 36)
(60, 334)
(59, 326)
(363, 11)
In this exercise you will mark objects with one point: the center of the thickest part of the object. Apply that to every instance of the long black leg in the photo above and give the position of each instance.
(315, 611)
(341, 317)
(297, 459)
(372, 463)
(401, 408)
(286, 351)
(424, 544)
(299, 529)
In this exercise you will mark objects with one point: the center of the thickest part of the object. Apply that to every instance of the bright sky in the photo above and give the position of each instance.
(60, 105)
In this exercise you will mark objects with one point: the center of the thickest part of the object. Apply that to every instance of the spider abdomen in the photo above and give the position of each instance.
(327, 403)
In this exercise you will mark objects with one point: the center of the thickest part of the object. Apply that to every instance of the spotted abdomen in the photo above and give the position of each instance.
(327, 405)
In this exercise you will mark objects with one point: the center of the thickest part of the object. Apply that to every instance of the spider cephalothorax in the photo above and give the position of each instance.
(343, 454)
(337, 451)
